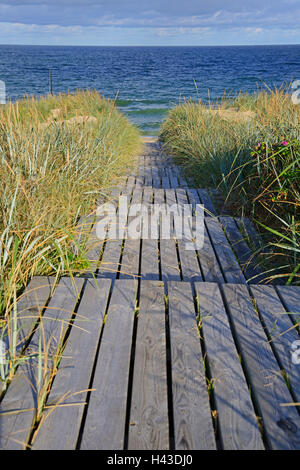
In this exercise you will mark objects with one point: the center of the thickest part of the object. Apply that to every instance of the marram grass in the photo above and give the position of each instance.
(249, 147)
(57, 154)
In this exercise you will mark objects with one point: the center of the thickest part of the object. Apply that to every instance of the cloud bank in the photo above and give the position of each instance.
(276, 20)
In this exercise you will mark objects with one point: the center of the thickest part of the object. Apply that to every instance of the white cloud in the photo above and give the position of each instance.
(172, 32)
(261, 21)
(161, 14)
(254, 30)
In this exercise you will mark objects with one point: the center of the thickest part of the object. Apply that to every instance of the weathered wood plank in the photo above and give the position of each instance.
(149, 260)
(209, 209)
(182, 181)
(23, 394)
(190, 268)
(141, 171)
(136, 196)
(148, 196)
(191, 409)
(175, 169)
(170, 270)
(171, 224)
(109, 265)
(115, 193)
(95, 244)
(165, 182)
(172, 207)
(281, 424)
(253, 238)
(182, 199)
(170, 197)
(179, 171)
(130, 259)
(210, 267)
(149, 426)
(129, 185)
(131, 250)
(193, 198)
(148, 176)
(149, 251)
(290, 296)
(278, 328)
(139, 182)
(94, 248)
(104, 427)
(173, 178)
(171, 203)
(30, 306)
(250, 268)
(236, 420)
(230, 267)
(159, 196)
(208, 261)
(155, 177)
(60, 425)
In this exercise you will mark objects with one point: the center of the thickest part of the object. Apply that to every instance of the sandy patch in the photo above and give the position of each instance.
(81, 120)
(149, 139)
(56, 113)
(72, 121)
(234, 114)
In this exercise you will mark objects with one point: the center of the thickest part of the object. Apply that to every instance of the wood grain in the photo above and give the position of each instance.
(22, 395)
(105, 421)
(236, 419)
(192, 415)
(281, 424)
(149, 425)
(59, 429)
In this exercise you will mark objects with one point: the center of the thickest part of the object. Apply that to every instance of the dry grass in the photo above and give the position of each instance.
(50, 175)
(249, 147)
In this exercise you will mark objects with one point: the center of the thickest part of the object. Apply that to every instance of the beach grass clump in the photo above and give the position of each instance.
(57, 155)
(249, 148)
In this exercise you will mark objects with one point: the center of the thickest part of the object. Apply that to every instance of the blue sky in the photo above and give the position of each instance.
(149, 22)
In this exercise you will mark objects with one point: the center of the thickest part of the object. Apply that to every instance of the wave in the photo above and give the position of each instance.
(140, 102)
(150, 125)
(148, 111)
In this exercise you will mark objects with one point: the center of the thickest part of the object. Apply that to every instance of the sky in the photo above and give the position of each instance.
(149, 22)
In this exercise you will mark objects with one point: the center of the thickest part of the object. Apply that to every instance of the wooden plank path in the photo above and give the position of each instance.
(26, 389)
(163, 347)
(225, 256)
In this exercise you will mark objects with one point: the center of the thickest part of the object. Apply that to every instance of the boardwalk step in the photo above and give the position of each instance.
(88, 402)
(166, 344)
(25, 392)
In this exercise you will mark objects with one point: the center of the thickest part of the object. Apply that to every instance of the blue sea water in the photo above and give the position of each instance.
(148, 81)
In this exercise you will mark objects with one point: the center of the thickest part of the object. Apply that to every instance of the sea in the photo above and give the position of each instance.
(148, 81)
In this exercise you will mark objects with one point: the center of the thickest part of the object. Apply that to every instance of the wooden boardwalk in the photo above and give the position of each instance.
(163, 347)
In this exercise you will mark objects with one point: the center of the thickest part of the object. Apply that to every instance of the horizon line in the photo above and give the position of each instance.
(151, 45)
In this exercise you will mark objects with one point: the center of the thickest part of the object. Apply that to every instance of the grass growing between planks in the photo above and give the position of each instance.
(57, 154)
(249, 148)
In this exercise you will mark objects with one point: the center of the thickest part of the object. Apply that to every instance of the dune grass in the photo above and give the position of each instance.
(57, 154)
(249, 148)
